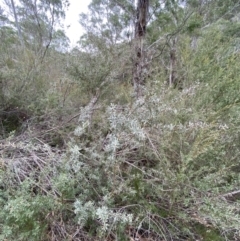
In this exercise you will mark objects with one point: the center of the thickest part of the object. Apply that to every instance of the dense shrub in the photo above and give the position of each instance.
(161, 167)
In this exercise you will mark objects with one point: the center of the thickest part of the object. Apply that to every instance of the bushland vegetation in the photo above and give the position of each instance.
(103, 142)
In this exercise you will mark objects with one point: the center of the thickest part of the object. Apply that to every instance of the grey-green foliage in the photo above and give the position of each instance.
(163, 164)
(90, 70)
(38, 19)
(25, 79)
(167, 163)
(171, 153)
(23, 71)
(27, 201)
(109, 20)
(218, 68)
(23, 217)
(212, 10)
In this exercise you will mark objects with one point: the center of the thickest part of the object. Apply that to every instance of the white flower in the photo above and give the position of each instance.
(81, 129)
(113, 144)
(137, 130)
(74, 152)
(103, 214)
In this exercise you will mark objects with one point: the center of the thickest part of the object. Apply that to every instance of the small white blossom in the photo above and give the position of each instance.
(136, 129)
(113, 144)
(223, 127)
(84, 211)
(103, 214)
(81, 129)
(74, 152)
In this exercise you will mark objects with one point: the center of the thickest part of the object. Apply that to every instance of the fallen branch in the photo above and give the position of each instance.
(232, 196)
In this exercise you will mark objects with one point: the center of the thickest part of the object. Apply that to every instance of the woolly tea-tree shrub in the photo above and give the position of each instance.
(161, 168)
(164, 166)
(168, 162)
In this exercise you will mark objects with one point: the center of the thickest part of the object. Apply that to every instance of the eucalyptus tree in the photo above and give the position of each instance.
(37, 21)
(107, 20)
(25, 69)
(111, 25)
(108, 29)
(16, 21)
(164, 33)
(142, 11)
(141, 24)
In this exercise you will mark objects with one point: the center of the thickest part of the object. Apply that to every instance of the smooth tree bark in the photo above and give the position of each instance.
(139, 58)
(173, 63)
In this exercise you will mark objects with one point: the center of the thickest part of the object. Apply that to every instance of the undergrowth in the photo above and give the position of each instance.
(151, 169)
(163, 167)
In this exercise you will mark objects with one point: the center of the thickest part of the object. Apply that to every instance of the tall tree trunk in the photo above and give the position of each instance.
(140, 31)
(17, 23)
(173, 63)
